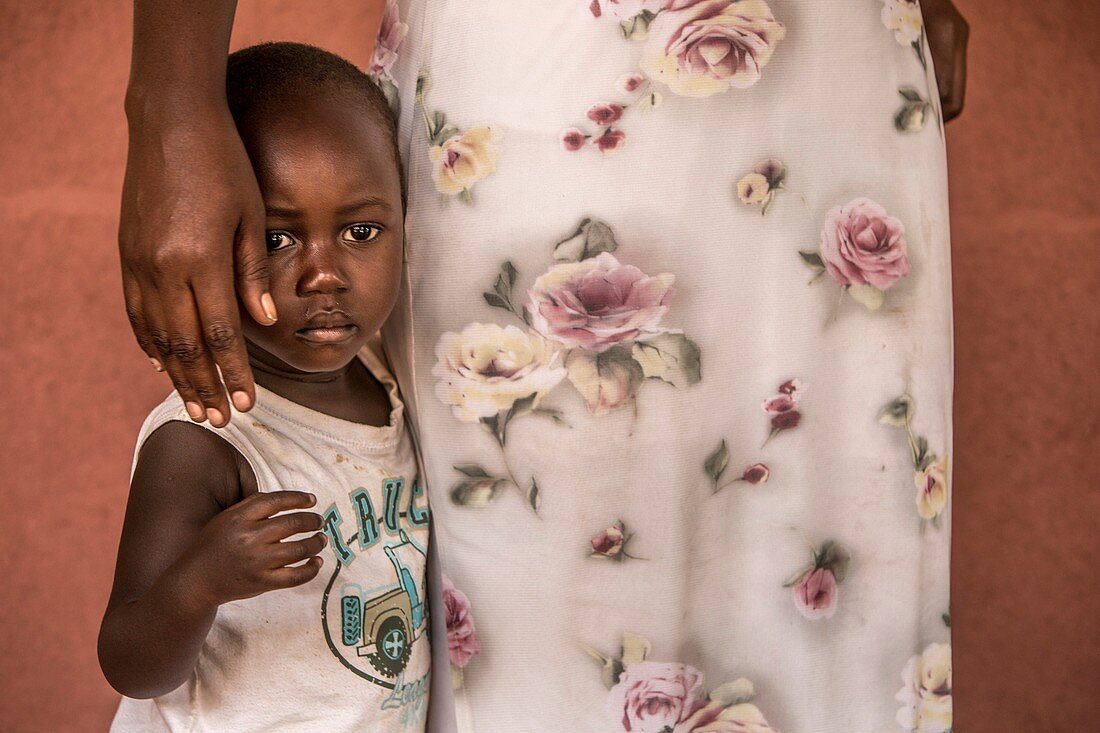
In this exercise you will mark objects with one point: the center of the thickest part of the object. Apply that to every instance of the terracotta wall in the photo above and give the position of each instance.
(1024, 180)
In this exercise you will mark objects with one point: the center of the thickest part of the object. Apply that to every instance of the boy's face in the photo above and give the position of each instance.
(334, 232)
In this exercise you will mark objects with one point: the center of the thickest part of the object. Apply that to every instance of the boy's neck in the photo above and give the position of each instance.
(352, 393)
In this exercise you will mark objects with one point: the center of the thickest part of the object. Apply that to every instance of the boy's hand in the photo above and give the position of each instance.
(191, 218)
(240, 553)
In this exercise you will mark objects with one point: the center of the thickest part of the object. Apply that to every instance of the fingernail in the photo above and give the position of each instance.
(215, 416)
(312, 499)
(241, 400)
(194, 409)
(156, 364)
(268, 304)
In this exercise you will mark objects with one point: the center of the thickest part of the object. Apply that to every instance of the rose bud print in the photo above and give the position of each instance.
(629, 83)
(573, 139)
(815, 596)
(605, 114)
(609, 543)
(757, 473)
(610, 141)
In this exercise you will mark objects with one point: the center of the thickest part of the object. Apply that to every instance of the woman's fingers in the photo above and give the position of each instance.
(250, 263)
(224, 340)
(180, 341)
(160, 338)
(135, 312)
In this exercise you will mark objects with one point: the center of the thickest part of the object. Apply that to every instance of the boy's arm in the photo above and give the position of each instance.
(192, 219)
(183, 553)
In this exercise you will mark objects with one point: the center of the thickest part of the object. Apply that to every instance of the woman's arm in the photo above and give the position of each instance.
(182, 555)
(191, 214)
(948, 33)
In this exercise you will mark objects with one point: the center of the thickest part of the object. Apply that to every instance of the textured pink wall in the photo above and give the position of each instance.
(1024, 184)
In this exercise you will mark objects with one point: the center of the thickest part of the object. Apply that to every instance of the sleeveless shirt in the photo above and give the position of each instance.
(347, 650)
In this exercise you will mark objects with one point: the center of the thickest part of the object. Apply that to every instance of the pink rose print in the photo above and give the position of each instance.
(661, 697)
(462, 640)
(597, 303)
(391, 35)
(815, 586)
(815, 596)
(783, 408)
(703, 47)
(651, 697)
(862, 245)
(717, 717)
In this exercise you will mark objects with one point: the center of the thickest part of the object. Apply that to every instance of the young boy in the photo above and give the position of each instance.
(271, 573)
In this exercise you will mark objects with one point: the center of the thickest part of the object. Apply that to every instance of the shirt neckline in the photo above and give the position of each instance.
(367, 438)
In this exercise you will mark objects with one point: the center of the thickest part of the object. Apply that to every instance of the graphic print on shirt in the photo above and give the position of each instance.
(374, 610)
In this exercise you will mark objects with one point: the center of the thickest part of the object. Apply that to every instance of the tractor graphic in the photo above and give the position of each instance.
(383, 628)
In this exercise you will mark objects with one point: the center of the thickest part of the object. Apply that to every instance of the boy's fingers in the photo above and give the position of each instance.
(288, 525)
(288, 553)
(221, 329)
(297, 575)
(264, 504)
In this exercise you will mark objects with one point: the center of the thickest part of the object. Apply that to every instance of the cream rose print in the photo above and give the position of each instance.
(929, 471)
(460, 158)
(903, 17)
(671, 697)
(864, 250)
(589, 319)
(815, 587)
(462, 641)
(692, 48)
(387, 48)
(926, 694)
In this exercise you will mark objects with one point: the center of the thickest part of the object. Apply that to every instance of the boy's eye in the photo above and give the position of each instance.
(361, 233)
(278, 240)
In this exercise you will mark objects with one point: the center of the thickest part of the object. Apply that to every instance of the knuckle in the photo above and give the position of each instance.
(220, 335)
(207, 392)
(186, 350)
(162, 342)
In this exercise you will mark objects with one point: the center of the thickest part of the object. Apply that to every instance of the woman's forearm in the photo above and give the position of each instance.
(179, 55)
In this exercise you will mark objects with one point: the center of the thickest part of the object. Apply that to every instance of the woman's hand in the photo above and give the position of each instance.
(191, 219)
(947, 32)
(241, 552)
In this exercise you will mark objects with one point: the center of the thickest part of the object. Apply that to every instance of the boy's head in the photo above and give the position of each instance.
(322, 141)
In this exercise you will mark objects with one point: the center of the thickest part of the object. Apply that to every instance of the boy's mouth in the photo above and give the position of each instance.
(329, 327)
(327, 334)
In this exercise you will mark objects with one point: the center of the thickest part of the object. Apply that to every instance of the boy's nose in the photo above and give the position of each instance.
(321, 273)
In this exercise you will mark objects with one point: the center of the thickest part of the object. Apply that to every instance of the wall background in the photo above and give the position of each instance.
(1024, 191)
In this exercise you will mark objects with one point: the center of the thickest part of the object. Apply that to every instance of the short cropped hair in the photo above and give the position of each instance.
(284, 70)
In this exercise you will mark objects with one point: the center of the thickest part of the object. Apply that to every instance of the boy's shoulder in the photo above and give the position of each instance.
(171, 447)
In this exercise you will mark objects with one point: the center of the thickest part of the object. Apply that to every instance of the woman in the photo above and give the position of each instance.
(676, 336)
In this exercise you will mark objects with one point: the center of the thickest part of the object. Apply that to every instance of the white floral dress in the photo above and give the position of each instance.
(677, 341)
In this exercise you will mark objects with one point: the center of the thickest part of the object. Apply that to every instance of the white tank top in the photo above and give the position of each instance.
(347, 651)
